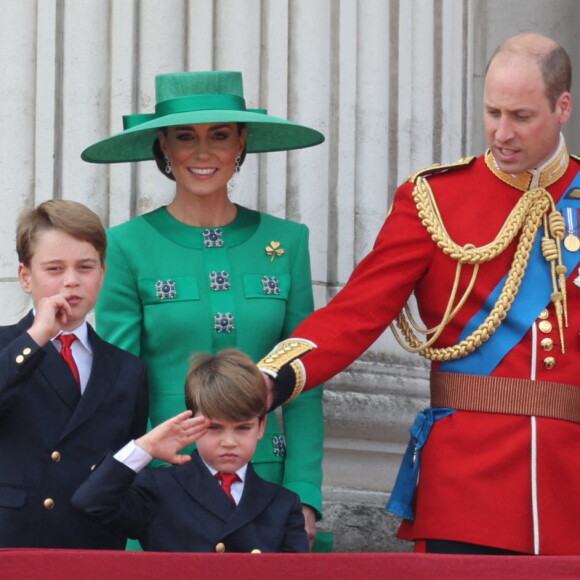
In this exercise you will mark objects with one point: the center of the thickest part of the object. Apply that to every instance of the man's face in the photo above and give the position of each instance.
(522, 130)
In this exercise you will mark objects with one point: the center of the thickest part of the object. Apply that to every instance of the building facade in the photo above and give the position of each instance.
(395, 85)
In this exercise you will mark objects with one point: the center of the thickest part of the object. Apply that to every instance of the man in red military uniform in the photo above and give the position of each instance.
(490, 248)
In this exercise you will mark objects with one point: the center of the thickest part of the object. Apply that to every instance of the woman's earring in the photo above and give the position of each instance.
(238, 161)
(168, 168)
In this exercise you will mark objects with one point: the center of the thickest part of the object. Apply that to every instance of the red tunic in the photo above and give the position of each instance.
(482, 475)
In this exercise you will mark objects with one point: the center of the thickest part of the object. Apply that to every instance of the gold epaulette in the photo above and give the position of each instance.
(438, 168)
(288, 352)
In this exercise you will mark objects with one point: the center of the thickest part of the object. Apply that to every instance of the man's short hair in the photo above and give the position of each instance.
(554, 64)
(227, 386)
(557, 72)
(71, 217)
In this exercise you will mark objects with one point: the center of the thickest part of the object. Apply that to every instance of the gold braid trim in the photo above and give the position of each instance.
(283, 353)
(300, 375)
(528, 215)
(288, 352)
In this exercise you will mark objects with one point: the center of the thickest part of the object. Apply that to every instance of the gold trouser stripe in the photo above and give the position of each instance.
(505, 395)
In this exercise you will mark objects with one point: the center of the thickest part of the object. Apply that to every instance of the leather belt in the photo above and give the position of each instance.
(505, 395)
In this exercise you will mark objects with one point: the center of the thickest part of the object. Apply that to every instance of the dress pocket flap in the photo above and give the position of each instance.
(168, 289)
(267, 285)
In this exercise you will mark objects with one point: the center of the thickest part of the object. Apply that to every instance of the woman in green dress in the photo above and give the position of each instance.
(203, 273)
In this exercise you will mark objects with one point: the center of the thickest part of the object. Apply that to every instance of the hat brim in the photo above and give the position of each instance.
(264, 133)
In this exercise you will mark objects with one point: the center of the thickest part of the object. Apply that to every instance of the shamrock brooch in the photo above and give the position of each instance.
(274, 250)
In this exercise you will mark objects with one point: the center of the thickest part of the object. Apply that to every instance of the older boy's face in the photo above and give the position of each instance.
(64, 265)
(227, 445)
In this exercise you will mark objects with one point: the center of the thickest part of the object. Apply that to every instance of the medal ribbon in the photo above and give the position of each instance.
(571, 225)
(571, 241)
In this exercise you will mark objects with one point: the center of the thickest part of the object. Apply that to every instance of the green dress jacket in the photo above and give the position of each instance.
(172, 290)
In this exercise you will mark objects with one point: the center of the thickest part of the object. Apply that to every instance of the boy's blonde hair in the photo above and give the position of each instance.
(71, 217)
(227, 386)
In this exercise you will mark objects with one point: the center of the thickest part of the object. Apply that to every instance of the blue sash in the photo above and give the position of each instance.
(532, 298)
(401, 500)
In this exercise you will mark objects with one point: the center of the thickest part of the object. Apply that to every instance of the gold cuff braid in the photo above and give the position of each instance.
(300, 375)
(284, 353)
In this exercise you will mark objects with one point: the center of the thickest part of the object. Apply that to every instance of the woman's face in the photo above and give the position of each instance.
(202, 156)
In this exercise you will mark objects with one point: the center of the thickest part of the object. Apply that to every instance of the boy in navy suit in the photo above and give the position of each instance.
(66, 396)
(182, 508)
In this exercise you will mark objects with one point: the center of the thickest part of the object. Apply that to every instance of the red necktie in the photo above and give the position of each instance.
(66, 340)
(227, 479)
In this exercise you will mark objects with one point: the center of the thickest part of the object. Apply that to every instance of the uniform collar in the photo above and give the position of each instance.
(543, 176)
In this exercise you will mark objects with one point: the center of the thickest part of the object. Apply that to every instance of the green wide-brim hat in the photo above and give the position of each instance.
(200, 97)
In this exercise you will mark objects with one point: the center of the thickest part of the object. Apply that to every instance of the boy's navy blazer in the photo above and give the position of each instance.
(184, 509)
(50, 436)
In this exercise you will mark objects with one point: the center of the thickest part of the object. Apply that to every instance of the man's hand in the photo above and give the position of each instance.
(168, 438)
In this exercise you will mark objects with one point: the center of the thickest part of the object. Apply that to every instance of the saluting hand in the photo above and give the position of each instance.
(168, 438)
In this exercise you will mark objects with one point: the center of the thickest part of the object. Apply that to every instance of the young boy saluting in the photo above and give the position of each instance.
(213, 500)
(66, 396)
